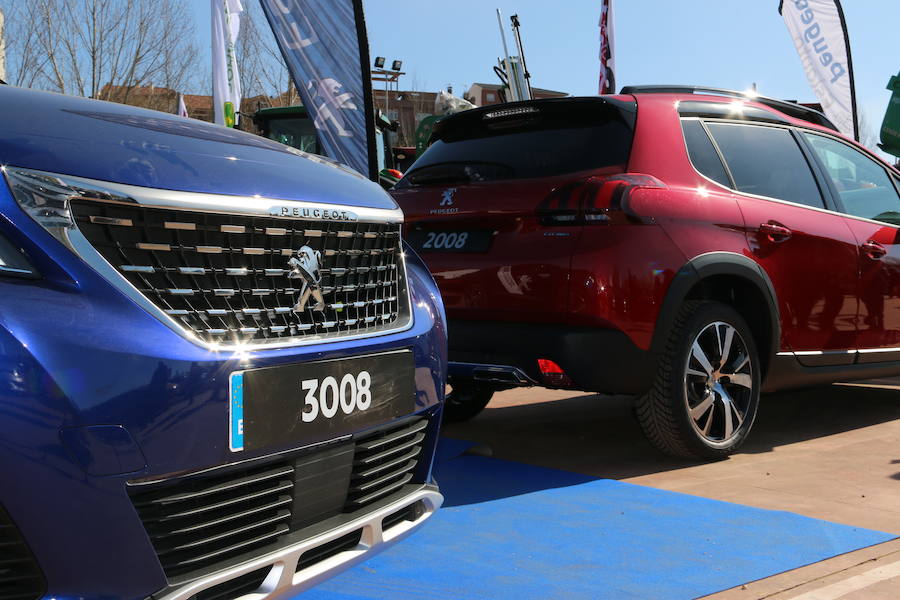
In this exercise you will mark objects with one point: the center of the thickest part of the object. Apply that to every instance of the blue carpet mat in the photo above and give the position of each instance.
(510, 530)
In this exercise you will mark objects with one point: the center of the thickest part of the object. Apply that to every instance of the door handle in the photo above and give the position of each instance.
(873, 250)
(774, 231)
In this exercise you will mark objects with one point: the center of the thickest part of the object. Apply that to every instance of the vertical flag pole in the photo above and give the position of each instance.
(840, 11)
(368, 96)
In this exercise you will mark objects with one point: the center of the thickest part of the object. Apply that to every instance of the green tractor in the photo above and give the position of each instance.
(291, 125)
(890, 128)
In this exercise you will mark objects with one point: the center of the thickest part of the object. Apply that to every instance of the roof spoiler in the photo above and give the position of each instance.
(793, 109)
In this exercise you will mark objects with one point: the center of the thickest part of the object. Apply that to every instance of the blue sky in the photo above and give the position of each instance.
(720, 43)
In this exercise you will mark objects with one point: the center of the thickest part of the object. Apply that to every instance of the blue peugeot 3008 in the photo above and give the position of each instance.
(220, 373)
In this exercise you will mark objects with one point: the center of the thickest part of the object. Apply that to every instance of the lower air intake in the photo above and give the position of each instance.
(206, 521)
(20, 576)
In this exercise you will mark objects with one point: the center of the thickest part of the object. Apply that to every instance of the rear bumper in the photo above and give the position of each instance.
(597, 360)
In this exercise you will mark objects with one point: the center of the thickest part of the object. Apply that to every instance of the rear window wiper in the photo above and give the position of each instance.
(459, 173)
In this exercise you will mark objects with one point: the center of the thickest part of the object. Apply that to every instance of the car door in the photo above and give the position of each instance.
(867, 193)
(807, 250)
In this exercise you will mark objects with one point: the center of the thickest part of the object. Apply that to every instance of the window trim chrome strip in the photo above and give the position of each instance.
(800, 129)
(837, 352)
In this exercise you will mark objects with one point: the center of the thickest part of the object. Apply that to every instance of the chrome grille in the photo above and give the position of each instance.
(226, 278)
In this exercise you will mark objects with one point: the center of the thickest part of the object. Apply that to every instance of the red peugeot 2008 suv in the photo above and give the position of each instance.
(690, 246)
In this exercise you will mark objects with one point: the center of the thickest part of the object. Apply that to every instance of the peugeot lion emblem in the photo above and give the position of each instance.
(305, 265)
(447, 197)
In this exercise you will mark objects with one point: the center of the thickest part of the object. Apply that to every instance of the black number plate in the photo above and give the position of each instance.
(316, 401)
(449, 241)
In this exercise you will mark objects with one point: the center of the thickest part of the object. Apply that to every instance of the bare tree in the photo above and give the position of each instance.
(868, 136)
(101, 48)
(262, 70)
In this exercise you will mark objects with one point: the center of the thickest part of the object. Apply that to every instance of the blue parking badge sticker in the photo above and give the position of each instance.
(236, 411)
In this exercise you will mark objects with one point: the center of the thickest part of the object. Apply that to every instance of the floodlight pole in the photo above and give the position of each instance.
(513, 87)
(515, 26)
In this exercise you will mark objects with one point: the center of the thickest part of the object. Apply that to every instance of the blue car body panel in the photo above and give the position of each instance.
(82, 363)
(124, 144)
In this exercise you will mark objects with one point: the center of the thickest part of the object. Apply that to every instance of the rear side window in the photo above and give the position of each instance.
(702, 152)
(539, 140)
(766, 161)
(864, 186)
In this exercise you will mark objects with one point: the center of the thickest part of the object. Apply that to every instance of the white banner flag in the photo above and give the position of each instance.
(226, 83)
(182, 107)
(819, 32)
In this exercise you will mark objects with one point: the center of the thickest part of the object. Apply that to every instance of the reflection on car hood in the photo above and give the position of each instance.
(124, 144)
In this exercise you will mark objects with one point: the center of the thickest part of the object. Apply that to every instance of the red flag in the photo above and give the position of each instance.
(607, 84)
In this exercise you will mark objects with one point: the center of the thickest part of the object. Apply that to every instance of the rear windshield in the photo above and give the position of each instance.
(535, 140)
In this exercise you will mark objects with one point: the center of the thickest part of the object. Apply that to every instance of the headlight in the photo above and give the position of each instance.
(45, 197)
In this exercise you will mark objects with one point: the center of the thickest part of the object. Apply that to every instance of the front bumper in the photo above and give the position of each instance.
(280, 573)
(77, 356)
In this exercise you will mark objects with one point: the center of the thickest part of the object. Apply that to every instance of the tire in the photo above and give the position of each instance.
(700, 406)
(465, 401)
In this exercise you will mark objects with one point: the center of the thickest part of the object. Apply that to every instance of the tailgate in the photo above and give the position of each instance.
(474, 202)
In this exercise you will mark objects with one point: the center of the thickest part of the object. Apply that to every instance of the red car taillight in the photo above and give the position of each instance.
(596, 200)
(552, 374)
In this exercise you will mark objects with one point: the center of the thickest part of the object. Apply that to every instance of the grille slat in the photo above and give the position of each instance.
(235, 588)
(194, 560)
(226, 278)
(228, 485)
(384, 462)
(199, 521)
(382, 491)
(384, 479)
(389, 465)
(375, 443)
(399, 445)
(230, 502)
(285, 501)
(194, 543)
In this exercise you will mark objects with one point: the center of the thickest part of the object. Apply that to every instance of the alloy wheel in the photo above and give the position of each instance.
(718, 383)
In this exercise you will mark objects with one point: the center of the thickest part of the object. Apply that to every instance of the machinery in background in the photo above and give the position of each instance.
(890, 127)
(291, 125)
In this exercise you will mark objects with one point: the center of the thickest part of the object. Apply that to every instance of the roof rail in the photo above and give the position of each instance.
(793, 109)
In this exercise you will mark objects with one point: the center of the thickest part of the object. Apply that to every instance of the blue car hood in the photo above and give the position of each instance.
(124, 144)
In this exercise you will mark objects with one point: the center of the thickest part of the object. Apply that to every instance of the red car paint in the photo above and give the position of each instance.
(832, 295)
